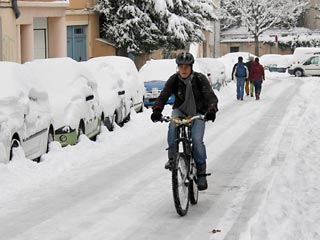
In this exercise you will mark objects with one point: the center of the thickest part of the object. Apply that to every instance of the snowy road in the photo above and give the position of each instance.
(116, 188)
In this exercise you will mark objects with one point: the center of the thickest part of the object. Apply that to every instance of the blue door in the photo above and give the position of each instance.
(76, 43)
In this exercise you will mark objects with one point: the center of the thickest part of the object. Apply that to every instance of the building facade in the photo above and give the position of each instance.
(32, 29)
(83, 41)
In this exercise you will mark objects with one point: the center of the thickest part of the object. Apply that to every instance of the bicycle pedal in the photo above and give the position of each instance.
(204, 175)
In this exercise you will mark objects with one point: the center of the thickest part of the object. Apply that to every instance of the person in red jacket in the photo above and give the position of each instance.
(257, 76)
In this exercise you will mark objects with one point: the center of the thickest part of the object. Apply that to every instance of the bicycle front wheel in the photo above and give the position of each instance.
(180, 183)
(194, 192)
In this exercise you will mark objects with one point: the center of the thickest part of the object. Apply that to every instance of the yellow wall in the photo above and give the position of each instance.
(79, 4)
(9, 39)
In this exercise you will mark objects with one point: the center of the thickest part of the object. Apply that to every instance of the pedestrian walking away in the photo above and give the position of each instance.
(249, 84)
(193, 96)
(257, 74)
(240, 72)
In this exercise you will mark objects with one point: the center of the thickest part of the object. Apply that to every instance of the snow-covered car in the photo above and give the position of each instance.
(113, 97)
(128, 72)
(154, 74)
(276, 62)
(214, 69)
(25, 118)
(73, 97)
(230, 59)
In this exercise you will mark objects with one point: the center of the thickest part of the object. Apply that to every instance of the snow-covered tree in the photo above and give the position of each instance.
(260, 15)
(146, 25)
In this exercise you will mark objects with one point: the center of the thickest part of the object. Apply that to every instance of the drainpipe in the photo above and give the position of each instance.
(15, 8)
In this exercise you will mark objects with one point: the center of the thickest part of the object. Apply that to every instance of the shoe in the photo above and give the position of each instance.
(202, 182)
(202, 177)
(241, 99)
(247, 94)
(251, 95)
(169, 164)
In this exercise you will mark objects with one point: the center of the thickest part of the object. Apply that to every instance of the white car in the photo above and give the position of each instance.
(25, 118)
(128, 72)
(214, 69)
(73, 97)
(113, 97)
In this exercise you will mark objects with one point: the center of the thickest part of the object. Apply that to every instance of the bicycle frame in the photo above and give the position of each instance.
(183, 141)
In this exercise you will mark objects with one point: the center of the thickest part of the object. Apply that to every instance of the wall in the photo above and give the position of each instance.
(9, 40)
(245, 47)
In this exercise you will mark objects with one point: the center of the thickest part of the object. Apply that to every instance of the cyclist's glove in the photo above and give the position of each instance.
(156, 115)
(210, 115)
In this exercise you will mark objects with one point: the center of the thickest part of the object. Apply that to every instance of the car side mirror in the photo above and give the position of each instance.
(90, 97)
(121, 92)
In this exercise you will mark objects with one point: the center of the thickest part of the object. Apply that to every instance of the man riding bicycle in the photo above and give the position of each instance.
(193, 96)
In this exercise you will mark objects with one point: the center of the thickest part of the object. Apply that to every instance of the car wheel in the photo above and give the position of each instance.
(127, 119)
(141, 108)
(109, 122)
(298, 73)
(14, 144)
(80, 130)
(50, 139)
(120, 124)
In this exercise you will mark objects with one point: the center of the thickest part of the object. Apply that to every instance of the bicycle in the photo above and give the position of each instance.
(184, 171)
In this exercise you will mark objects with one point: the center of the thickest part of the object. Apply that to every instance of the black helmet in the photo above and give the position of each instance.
(185, 58)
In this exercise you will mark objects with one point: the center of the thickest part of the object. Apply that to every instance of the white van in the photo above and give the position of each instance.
(309, 67)
(301, 54)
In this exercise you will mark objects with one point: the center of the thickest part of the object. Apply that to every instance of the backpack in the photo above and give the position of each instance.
(241, 70)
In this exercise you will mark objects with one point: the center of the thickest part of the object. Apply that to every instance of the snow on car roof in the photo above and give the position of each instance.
(15, 80)
(160, 69)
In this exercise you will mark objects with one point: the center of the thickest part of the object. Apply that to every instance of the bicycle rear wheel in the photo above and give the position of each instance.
(180, 183)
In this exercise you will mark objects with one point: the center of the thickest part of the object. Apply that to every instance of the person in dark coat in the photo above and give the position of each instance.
(257, 75)
(193, 96)
(249, 84)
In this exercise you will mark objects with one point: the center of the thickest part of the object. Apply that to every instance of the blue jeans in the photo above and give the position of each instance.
(257, 85)
(240, 87)
(197, 130)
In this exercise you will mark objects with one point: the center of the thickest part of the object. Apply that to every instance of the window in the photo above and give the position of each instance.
(78, 30)
(234, 49)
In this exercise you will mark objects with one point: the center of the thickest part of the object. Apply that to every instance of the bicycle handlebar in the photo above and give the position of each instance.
(181, 120)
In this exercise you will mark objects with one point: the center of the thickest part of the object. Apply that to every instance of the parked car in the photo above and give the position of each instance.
(128, 72)
(154, 74)
(309, 67)
(25, 118)
(113, 97)
(73, 97)
(276, 62)
(214, 69)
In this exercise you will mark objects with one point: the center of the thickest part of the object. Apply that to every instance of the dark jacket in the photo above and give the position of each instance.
(204, 96)
(257, 71)
(249, 64)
